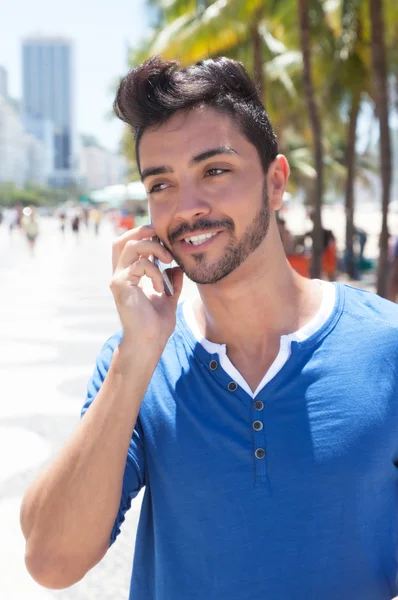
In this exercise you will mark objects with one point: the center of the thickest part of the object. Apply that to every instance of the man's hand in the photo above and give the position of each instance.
(147, 316)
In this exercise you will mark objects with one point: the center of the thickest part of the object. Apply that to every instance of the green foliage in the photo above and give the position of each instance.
(191, 30)
(34, 195)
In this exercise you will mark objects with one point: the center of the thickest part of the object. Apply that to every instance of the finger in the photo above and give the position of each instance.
(134, 249)
(138, 233)
(135, 272)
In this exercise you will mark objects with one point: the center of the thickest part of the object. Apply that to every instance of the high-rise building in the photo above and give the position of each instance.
(3, 83)
(48, 96)
(43, 131)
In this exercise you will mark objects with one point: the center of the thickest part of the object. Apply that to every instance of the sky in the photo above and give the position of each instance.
(101, 31)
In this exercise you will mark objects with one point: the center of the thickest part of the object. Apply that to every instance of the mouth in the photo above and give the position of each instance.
(199, 241)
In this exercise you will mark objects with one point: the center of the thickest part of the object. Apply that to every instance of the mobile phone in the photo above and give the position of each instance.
(165, 270)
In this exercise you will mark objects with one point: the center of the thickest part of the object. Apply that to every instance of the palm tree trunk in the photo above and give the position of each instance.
(379, 71)
(396, 91)
(257, 45)
(317, 238)
(349, 190)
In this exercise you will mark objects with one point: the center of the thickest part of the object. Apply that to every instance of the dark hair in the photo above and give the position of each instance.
(152, 92)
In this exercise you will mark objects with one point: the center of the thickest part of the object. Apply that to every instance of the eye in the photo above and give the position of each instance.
(158, 187)
(215, 171)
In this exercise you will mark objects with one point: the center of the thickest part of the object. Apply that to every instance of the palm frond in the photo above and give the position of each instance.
(169, 35)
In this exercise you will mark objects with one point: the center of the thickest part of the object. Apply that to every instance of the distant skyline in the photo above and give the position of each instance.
(101, 34)
(48, 100)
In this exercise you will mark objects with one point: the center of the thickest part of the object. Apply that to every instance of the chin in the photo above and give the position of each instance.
(206, 276)
(204, 272)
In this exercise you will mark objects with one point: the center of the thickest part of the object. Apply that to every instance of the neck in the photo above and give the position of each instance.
(251, 308)
(254, 306)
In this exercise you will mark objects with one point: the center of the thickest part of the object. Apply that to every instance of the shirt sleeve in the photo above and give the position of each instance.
(134, 473)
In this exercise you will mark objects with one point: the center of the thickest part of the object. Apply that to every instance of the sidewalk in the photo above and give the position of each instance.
(57, 312)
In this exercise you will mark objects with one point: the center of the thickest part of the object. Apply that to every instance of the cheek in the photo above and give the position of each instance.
(159, 218)
(243, 197)
(226, 195)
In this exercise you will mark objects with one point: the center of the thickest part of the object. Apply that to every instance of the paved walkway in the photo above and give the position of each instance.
(56, 312)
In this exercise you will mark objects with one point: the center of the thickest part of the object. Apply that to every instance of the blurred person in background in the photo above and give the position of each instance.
(329, 255)
(75, 221)
(62, 221)
(11, 218)
(19, 208)
(361, 237)
(393, 275)
(287, 238)
(96, 217)
(85, 215)
(30, 226)
(260, 416)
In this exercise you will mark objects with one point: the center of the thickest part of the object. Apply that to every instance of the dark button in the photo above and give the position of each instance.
(260, 453)
(257, 425)
(232, 386)
(213, 365)
(258, 405)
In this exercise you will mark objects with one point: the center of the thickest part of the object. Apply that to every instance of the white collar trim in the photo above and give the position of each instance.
(323, 314)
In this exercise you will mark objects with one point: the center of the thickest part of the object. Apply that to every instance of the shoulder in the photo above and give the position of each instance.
(171, 352)
(110, 346)
(364, 338)
(367, 305)
(176, 356)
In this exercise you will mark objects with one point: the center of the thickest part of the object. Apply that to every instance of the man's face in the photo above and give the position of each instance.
(207, 192)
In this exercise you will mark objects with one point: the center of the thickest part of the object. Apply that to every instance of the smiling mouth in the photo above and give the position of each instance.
(197, 240)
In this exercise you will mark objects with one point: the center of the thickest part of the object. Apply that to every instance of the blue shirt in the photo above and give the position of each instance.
(290, 495)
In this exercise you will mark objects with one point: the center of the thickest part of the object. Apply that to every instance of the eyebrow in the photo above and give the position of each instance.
(151, 171)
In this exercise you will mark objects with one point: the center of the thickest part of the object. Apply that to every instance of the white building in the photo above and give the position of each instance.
(48, 95)
(35, 161)
(13, 159)
(3, 83)
(43, 131)
(21, 155)
(100, 168)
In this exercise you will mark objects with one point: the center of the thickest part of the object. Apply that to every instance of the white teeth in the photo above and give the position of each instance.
(199, 239)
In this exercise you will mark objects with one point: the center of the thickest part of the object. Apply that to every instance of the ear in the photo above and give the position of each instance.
(277, 178)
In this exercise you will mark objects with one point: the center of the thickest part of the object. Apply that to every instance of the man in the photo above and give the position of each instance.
(262, 418)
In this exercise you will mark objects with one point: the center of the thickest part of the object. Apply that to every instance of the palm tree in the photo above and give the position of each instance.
(352, 75)
(206, 29)
(195, 30)
(350, 180)
(257, 45)
(317, 137)
(379, 70)
(265, 36)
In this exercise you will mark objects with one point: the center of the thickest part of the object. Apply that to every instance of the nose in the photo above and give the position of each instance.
(190, 203)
